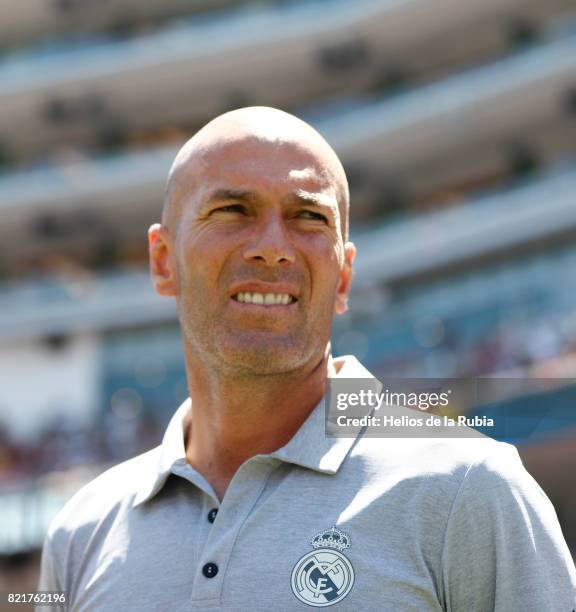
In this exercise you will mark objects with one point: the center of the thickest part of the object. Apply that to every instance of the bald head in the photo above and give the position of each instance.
(271, 130)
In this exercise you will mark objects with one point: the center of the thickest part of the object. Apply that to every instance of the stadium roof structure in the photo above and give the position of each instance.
(279, 56)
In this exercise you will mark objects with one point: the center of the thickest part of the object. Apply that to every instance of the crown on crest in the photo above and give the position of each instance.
(331, 538)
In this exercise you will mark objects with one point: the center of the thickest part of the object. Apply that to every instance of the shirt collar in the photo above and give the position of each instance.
(309, 447)
(170, 452)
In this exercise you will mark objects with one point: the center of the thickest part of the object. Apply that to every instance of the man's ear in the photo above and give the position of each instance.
(162, 267)
(345, 280)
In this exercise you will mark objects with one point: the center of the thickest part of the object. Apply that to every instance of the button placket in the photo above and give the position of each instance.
(242, 495)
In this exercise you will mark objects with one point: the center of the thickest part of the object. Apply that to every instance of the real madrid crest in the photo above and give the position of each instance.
(324, 576)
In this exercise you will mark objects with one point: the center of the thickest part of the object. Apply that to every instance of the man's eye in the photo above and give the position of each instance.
(230, 208)
(310, 214)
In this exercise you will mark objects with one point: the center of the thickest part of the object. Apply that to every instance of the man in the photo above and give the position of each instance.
(247, 505)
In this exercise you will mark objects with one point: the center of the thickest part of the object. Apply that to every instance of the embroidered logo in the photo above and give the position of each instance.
(324, 576)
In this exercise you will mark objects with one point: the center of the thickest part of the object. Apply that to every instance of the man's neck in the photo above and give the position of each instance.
(235, 418)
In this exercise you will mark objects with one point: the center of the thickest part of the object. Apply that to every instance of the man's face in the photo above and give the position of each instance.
(258, 257)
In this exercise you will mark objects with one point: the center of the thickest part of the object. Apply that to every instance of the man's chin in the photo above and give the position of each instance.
(264, 358)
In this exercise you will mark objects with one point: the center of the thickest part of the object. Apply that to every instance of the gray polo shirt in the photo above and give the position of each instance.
(357, 524)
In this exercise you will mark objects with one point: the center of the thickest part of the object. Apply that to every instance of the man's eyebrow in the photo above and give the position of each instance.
(311, 199)
(300, 197)
(231, 194)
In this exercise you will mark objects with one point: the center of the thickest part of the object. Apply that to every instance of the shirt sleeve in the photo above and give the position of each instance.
(49, 577)
(503, 546)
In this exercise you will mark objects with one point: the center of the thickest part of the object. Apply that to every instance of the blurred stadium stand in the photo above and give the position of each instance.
(456, 123)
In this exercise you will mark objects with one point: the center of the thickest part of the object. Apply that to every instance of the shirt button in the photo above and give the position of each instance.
(212, 515)
(210, 570)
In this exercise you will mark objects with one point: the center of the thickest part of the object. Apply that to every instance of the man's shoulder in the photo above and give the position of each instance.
(105, 495)
(430, 453)
(442, 475)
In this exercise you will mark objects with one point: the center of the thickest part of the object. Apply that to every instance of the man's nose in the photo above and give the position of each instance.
(271, 244)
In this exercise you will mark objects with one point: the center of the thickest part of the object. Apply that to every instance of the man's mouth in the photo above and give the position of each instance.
(264, 299)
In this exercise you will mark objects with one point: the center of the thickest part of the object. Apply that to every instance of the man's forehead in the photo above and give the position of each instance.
(253, 148)
(248, 162)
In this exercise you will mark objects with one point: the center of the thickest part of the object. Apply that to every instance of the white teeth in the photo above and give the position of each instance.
(268, 299)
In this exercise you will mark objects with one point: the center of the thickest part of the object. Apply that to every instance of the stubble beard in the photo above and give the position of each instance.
(250, 353)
